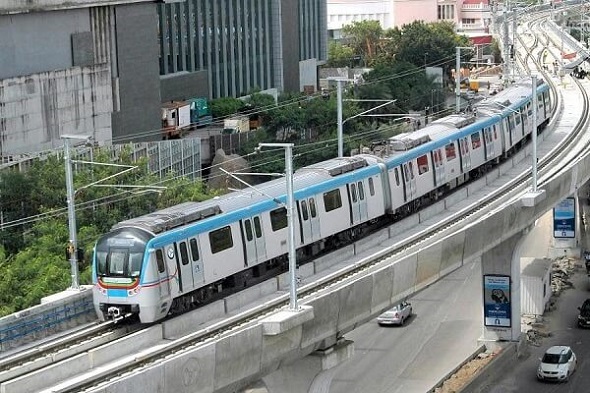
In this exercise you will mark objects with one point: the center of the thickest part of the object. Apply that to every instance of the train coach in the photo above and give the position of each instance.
(174, 259)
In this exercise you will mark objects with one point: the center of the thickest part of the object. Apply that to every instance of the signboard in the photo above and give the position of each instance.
(496, 301)
(564, 219)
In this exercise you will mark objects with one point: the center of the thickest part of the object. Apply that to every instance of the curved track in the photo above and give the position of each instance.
(548, 166)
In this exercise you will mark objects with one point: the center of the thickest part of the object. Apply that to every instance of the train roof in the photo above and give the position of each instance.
(274, 190)
(507, 100)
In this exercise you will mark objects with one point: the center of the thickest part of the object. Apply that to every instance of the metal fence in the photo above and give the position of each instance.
(181, 156)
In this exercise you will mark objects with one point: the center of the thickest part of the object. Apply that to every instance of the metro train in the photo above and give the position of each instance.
(177, 258)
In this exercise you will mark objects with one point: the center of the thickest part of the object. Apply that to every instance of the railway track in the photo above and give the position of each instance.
(547, 167)
(52, 351)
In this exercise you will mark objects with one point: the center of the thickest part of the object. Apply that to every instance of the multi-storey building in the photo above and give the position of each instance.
(104, 67)
(472, 17)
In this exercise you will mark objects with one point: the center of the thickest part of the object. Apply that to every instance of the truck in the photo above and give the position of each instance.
(234, 125)
(176, 116)
(200, 112)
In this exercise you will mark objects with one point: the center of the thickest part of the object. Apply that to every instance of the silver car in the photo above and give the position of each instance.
(396, 315)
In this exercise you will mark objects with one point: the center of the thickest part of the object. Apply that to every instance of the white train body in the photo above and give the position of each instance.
(172, 259)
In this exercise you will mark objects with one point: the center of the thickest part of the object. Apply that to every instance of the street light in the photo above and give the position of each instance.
(290, 218)
(73, 244)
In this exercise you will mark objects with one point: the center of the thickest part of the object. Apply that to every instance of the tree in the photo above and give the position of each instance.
(340, 55)
(35, 265)
(226, 106)
(364, 38)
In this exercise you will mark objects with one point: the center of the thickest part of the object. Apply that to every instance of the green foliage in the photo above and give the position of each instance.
(34, 264)
(340, 55)
(363, 38)
(226, 106)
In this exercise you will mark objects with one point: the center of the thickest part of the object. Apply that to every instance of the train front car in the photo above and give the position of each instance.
(124, 281)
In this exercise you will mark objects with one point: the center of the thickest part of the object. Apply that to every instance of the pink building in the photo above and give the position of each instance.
(471, 17)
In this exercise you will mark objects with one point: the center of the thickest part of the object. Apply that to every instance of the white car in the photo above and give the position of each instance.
(558, 363)
(396, 315)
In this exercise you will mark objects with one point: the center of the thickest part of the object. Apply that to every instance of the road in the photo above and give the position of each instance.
(519, 375)
(443, 331)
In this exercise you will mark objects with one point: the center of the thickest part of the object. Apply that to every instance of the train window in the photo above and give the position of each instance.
(517, 119)
(135, 261)
(495, 132)
(353, 192)
(312, 208)
(511, 123)
(361, 191)
(278, 219)
(475, 141)
(304, 211)
(396, 176)
(411, 166)
(101, 262)
(332, 200)
(248, 228)
(257, 227)
(183, 253)
(160, 261)
(194, 249)
(450, 151)
(117, 262)
(220, 239)
(371, 186)
(422, 164)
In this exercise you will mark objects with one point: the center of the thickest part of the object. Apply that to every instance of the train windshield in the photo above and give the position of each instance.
(118, 262)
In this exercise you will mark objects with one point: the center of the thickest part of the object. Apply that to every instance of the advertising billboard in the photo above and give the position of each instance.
(496, 300)
(564, 219)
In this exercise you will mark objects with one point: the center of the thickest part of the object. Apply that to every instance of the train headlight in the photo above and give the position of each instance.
(134, 291)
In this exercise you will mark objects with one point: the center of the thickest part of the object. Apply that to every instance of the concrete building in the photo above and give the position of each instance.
(472, 17)
(103, 67)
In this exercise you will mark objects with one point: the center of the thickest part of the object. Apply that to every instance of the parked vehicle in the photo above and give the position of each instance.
(557, 364)
(177, 258)
(176, 116)
(584, 314)
(235, 125)
(396, 315)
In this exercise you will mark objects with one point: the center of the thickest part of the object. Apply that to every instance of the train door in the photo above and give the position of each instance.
(172, 260)
(253, 240)
(186, 268)
(465, 155)
(439, 167)
(489, 143)
(309, 220)
(362, 204)
(162, 275)
(358, 202)
(409, 181)
(196, 262)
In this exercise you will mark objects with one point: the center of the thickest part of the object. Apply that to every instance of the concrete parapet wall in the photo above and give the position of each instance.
(60, 312)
